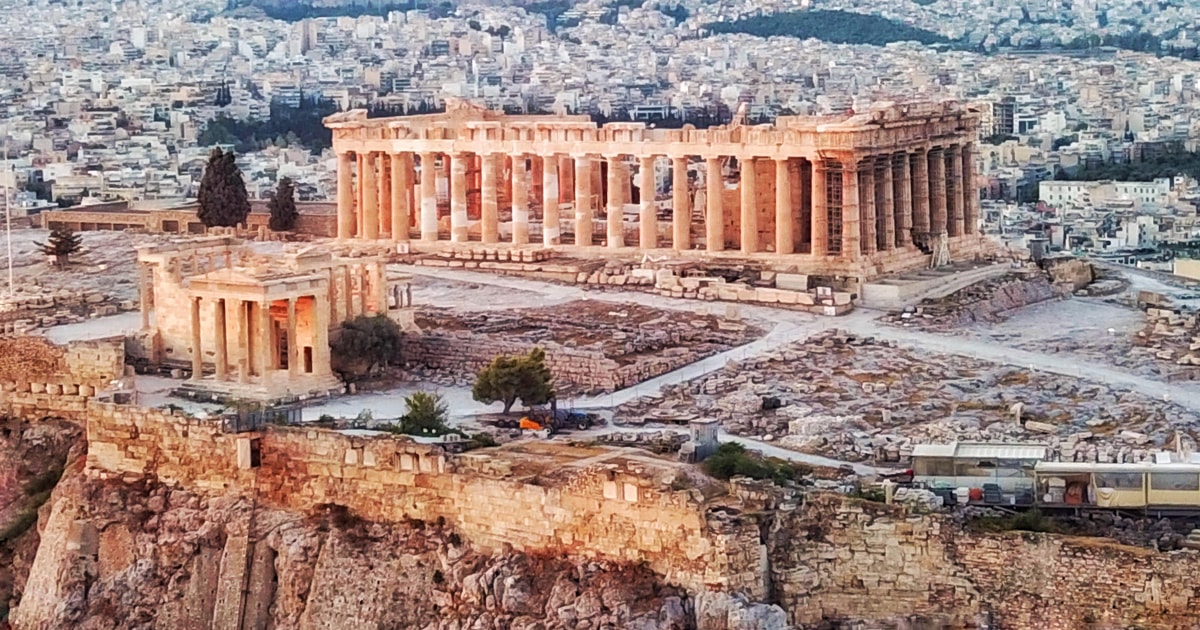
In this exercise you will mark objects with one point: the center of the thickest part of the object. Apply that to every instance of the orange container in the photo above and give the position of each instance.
(976, 494)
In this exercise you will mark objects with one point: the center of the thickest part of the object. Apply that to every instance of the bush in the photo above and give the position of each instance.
(1030, 521)
(732, 460)
(361, 344)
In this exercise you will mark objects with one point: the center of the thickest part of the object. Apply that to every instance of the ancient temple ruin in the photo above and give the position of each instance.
(852, 195)
(255, 325)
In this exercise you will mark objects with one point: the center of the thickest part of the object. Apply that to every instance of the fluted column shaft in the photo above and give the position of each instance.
(866, 179)
(520, 200)
(958, 212)
(714, 220)
(904, 204)
(851, 219)
(681, 207)
(400, 186)
(385, 193)
(920, 190)
(784, 227)
(197, 348)
(970, 193)
(820, 209)
(370, 196)
(551, 224)
(888, 201)
(583, 200)
(615, 204)
(647, 213)
(937, 192)
(749, 206)
(345, 195)
(489, 205)
(458, 197)
(222, 352)
(429, 221)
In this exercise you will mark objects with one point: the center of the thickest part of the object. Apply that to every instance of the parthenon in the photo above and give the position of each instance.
(854, 195)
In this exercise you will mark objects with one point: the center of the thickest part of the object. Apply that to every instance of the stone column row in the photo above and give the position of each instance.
(254, 351)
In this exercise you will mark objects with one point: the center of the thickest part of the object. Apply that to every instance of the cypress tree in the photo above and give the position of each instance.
(283, 207)
(222, 196)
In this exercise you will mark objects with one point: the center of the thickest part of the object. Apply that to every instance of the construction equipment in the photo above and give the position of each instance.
(555, 420)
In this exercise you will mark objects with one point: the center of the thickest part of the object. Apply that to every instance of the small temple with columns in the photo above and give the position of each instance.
(256, 324)
(854, 195)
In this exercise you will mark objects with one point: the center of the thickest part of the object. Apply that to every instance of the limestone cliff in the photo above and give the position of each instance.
(119, 554)
(32, 456)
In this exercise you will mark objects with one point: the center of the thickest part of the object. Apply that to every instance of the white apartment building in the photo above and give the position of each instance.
(1081, 194)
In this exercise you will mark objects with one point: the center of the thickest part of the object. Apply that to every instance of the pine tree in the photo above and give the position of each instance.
(222, 196)
(283, 207)
(62, 243)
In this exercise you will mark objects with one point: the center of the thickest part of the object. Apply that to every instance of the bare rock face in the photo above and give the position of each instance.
(32, 457)
(117, 555)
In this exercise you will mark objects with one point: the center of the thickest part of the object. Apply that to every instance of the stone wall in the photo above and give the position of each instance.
(33, 371)
(600, 512)
(839, 558)
(463, 354)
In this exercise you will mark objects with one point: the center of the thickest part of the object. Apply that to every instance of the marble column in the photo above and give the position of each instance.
(243, 350)
(401, 186)
(145, 286)
(222, 358)
(458, 197)
(820, 209)
(937, 192)
(784, 227)
(360, 194)
(551, 228)
(866, 202)
(321, 352)
(615, 223)
(681, 208)
(887, 202)
(264, 358)
(385, 193)
(293, 342)
(851, 219)
(345, 195)
(429, 221)
(647, 212)
(955, 196)
(902, 182)
(370, 196)
(378, 288)
(489, 205)
(714, 220)
(520, 200)
(747, 187)
(583, 200)
(920, 197)
(970, 193)
(197, 348)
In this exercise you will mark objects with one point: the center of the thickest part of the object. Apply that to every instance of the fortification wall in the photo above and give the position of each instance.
(39, 378)
(837, 557)
(596, 512)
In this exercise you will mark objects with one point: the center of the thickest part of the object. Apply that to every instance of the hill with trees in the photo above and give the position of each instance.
(834, 26)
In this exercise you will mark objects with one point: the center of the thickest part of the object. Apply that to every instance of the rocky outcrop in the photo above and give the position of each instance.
(32, 456)
(138, 555)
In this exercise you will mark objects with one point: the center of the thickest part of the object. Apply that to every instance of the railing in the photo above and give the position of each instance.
(250, 419)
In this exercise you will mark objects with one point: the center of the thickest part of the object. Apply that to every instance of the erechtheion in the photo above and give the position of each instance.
(261, 321)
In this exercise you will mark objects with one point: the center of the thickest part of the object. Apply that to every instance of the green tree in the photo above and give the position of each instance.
(222, 196)
(426, 413)
(62, 243)
(283, 207)
(509, 378)
(360, 345)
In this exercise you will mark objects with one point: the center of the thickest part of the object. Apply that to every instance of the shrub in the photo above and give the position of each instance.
(361, 344)
(732, 460)
(511, 377)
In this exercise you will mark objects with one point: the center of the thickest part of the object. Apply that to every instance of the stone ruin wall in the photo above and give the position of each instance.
(38, 378)
(839, 557)
(390, 480)
(463, 354)
(46, 308)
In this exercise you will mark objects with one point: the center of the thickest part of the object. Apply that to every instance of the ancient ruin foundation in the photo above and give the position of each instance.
(847, 195)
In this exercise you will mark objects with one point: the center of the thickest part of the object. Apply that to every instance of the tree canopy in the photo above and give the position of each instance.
(838, 27)
(222, 196)
(283, 207)
(426, 414)
(61, 244)
(510, 378)
(361, 344)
